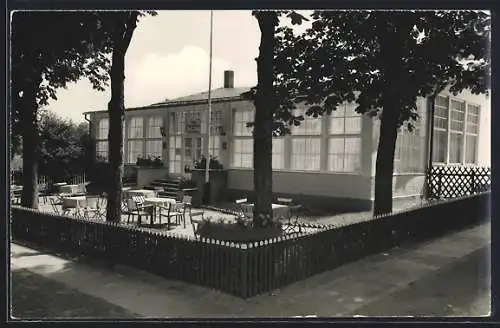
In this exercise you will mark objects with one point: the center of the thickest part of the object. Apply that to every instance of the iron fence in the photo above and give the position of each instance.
(245, 269)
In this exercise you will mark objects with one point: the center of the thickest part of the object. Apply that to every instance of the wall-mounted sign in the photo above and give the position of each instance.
(193, 126)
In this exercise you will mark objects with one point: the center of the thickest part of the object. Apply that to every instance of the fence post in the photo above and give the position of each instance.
(244, 271)
(473, 182)
(440, 178)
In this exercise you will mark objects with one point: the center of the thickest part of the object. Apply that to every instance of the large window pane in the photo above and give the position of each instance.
(471, 149)
(345, 120)
(243, 152)
(154, 126)
(215, 144)
(102, 132)
(135, 149)
(278, 153)
(309, 126)
(456, 146)
(154, 148)
(241, 118)
(102, 150)
(136, 128)
(344, 154)
(306, 154)
(439, 146)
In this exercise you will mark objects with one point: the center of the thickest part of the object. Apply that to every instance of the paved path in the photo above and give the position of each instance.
(445, 276)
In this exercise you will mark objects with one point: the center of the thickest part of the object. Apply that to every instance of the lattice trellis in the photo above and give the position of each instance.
(457, 181)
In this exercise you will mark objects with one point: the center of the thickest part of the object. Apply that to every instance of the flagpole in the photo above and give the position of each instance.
(207, 165)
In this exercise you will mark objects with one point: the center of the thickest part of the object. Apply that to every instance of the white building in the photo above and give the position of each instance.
(325, 162)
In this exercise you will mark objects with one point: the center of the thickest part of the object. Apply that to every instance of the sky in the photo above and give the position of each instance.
(168, 57)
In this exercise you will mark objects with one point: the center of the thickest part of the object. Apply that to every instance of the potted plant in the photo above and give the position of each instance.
(240, 230)
(157, 161)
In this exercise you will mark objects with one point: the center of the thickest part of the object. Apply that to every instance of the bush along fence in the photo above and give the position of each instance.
(17, 176)
(450, 181)
(245, 269)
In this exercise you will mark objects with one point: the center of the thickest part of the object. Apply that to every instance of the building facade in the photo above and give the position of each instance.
(325, 162)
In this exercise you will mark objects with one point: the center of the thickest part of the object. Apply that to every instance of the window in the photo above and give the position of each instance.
(409, 150)
(306, 154)
(455, 142)
(344, 154)
(102, 150)
(243, 153)
(135, 128)
(135, 149)
(103, 129)
(440, 129)
(344, 143)
(309, 126)
(278, 153)
(410, 146)
(215, 144)
(154, 142)
(472, 133)
(154, 127)
(176, 123)
(175, 154)
(154, 148)
(345, 120)
(241, 118)
(457, 123)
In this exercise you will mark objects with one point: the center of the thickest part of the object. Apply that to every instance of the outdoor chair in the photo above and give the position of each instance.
(188, 207)
(15, 197)
(54, 204)
(93, 207)
(195, 220)
(66, 210)
(174, 210)
(43, 192)
(137, 208)
(293, 220)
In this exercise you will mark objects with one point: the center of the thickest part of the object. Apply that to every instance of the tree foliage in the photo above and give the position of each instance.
(63, 146)
(49, 49)
(382, 60)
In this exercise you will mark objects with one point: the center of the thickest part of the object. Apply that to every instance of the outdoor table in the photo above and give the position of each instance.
(158, 201)
(75, 202)
(15, 193)
(146, 193)
(69, 189)
(279, 210)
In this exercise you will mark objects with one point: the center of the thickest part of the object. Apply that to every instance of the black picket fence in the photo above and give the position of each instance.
(245, 269)
(451, 181)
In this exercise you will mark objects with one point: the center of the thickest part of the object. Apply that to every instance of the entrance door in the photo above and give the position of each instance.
(193, 150)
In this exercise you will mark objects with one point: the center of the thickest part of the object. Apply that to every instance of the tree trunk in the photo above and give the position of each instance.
(384, 166)
(263, 123)
(125, 24)
(116, 110)
(29, 130)
(390, 49)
